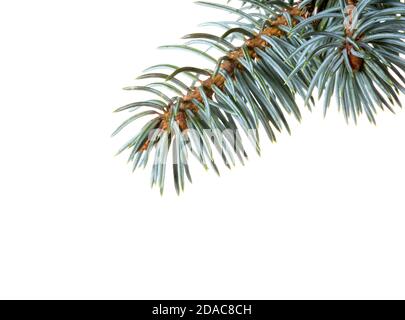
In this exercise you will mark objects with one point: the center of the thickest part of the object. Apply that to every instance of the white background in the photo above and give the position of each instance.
(320, 215)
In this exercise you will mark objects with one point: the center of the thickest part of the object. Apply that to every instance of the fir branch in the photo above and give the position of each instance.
(352, 50)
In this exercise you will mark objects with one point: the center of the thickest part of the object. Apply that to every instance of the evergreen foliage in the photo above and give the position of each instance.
(272, 53)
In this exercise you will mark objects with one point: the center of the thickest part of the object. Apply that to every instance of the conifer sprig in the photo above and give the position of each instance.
(272, 52)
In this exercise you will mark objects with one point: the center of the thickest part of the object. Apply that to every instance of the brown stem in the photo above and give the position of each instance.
(355, 62)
